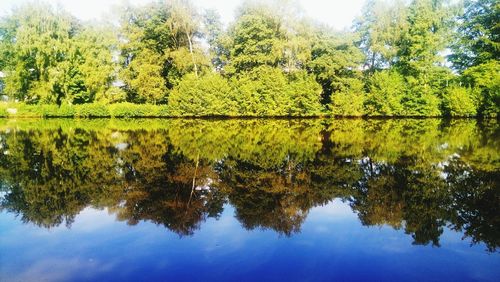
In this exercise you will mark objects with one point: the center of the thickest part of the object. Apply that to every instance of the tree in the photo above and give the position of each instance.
(419, 58)
(216, 38)
(349, 101)
(256, 40)
(183, 22)
(478, 38)
(159, 48)
(52, 58)
(380, 28)
(305, 94)
(144, 78)
(92, 68)
(476, 53)
(485, 81)
(263, 91)
(335, 62)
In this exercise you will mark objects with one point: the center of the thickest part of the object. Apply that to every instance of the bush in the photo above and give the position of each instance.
(349, 101)
(58, 111)
(305, 93)
(24, 110)
(208, 95)
(386, 90)
(112, 95)
(92, 110)
(3, 110)
(458, 101)
(486, 87)
(129, 110)
(420, 99)
(121, 110)
(264, 91)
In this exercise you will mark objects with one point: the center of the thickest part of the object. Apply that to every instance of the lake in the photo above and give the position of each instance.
(249, 199)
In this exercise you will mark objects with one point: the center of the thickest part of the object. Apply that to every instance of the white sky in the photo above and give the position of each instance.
(336, 13)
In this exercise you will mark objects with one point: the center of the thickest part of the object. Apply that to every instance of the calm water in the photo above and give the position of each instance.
(246, 200)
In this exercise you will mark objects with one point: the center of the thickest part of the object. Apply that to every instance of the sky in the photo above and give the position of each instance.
(338, 14)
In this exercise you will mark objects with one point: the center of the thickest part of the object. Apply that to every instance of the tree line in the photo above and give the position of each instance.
(400, 58)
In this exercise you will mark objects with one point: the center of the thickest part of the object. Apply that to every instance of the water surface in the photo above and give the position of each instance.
(245, 200)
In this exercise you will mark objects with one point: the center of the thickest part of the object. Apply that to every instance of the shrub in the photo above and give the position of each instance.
(208, 95)
(458, 101)
(486, 87)
(58, 111)
(349, 101)
(129, 110)
(92, 110)
(264, 91)
(420, 99)
(305, 93)
(3, 110)
(386, 90)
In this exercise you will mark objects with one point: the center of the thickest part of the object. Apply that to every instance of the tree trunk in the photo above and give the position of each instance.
(192, 55)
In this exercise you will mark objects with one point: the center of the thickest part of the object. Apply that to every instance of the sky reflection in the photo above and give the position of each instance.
(332, 245)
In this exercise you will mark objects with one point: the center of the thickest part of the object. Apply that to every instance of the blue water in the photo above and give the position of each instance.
(332, 246)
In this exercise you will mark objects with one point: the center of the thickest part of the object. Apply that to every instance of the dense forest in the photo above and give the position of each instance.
(400, 58)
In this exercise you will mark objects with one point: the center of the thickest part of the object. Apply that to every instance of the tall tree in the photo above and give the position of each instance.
(335, 62)
(476, 53)
(256, 40)
(50, 57)
(478, 39)
(419, 58)
(159, 48)
(380, 28)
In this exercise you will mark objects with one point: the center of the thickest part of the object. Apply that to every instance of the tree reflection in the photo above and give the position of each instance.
(419, 176)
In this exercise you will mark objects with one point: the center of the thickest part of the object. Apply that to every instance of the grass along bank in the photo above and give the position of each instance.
(118, 110)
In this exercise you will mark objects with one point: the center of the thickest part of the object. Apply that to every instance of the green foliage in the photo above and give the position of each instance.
(255, 41)
(92, 111)
(380, 28)
(49, 57)
(209, 95)
(271, 61)
(386, 89)
(349, 102)
(264, 91)
(144, 78)
(418, 55)
(459, 101)
(161, 47)
(334, 60)
(485, 80)
(426, 36)
(3, 110)
(420, 100)
(478, 38)
(58, 111)
(305, 95)
(129, 110)
(112, 95)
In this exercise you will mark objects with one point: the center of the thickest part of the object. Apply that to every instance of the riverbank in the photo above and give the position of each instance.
(130, 110)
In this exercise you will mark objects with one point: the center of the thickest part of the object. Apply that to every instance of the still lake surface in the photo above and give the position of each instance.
(252, 199)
